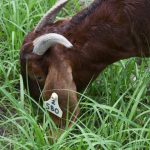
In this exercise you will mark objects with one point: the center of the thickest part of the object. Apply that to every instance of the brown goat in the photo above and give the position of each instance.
(63, 56)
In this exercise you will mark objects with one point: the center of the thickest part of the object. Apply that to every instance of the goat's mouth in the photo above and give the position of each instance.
(61, 105)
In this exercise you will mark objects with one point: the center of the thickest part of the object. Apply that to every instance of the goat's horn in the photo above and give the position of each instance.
(44, 42)
(50, 16)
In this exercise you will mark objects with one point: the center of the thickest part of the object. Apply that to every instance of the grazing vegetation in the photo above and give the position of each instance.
(115, 109)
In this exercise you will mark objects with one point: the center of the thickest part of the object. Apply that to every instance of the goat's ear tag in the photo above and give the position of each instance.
(52, 106)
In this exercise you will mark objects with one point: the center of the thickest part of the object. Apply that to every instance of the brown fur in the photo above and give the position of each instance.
(105, 32)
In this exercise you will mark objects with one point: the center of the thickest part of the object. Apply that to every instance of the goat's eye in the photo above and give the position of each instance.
(40, 78)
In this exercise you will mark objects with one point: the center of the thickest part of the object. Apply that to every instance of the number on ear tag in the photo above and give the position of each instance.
(52, 106)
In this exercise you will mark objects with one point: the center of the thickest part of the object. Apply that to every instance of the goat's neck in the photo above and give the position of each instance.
(88, 64)
(103, 38)
(97, 47)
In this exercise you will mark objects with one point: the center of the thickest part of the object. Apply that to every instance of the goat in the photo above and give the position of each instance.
(62, 57)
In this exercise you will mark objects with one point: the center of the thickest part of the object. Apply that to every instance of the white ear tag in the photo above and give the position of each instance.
(52, 105)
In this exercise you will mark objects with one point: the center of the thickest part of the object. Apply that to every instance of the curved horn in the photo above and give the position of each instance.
(44, 42)
(49, 17)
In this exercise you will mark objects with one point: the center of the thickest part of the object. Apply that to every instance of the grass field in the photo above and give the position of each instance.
(115, 109)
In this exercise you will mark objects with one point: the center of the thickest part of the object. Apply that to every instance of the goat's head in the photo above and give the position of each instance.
(43, 66)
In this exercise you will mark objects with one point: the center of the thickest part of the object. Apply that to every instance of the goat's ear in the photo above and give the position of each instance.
(44, 42)
(60, 81)
(26, 52)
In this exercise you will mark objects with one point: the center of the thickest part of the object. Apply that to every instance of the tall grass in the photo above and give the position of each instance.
(115, 109)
